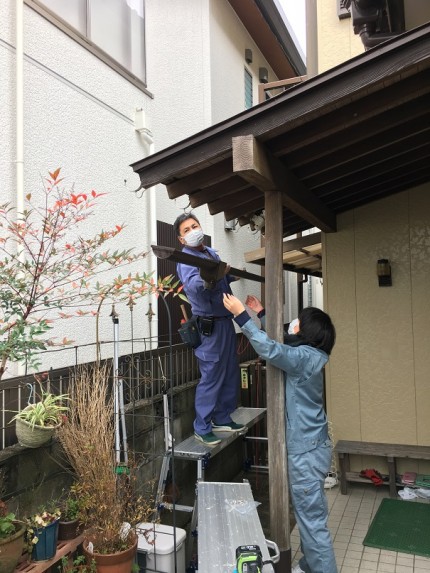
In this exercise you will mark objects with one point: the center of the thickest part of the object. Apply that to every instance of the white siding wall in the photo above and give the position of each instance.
(229, 39)
(79, 114)
(197, 77)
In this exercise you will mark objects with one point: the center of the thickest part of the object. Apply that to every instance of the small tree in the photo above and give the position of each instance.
(48, 270)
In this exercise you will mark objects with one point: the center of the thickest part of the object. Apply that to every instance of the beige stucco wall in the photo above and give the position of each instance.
(378, 378)
(336, 39)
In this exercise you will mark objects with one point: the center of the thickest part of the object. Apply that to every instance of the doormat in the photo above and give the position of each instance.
(402, 526)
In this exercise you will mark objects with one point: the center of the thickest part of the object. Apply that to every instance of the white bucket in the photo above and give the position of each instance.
(158, 544)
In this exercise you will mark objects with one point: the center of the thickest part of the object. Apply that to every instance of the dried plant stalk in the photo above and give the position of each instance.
(88, 436)
(107, 500)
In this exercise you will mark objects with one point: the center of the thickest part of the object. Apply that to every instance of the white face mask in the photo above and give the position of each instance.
(294, 326)
(194, 238)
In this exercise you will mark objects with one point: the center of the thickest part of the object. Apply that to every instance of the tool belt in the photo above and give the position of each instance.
(206, 323)
(189, 332)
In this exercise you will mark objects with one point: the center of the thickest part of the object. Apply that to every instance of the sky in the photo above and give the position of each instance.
(296, 15)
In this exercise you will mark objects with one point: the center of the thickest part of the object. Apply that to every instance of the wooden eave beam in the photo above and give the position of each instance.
(217, 191)
(258, 256)
(328, 92)
(393, 144)
(246, 208)
(252, 162)
(380, 168)
(235, 201)
(302, 242)
(323, 135)
(215, 173)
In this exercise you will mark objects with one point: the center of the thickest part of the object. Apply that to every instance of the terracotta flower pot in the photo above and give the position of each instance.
(121, 562)
(11, 549)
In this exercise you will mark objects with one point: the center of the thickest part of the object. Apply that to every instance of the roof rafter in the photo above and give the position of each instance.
(252, 161)
(210, 175)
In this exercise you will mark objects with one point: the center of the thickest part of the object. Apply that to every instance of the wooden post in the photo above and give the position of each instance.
(252, 162)
(275, 386)
(281, 188)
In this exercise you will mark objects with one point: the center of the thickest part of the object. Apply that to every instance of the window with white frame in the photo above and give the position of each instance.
(113, 29)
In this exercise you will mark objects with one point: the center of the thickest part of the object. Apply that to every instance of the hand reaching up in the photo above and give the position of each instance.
(253, 303)
(233, 304)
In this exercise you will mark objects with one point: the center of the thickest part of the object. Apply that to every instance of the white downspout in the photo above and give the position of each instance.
(140, 125)
(152, 225)
(19, 106)
(19, 54)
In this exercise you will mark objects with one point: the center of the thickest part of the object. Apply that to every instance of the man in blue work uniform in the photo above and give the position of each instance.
(217, 391)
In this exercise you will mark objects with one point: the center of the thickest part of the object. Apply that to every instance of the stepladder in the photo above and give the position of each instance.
(195, 451)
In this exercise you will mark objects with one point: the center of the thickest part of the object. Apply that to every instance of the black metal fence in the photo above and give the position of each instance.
(145, 375)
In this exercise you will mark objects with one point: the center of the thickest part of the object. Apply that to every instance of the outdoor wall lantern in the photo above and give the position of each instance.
(263, 75)
(248, 55)
(384, 272)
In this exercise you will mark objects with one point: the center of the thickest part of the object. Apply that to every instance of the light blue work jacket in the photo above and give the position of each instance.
(306, 421)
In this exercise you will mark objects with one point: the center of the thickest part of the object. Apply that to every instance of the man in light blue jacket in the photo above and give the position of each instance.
(302, 358)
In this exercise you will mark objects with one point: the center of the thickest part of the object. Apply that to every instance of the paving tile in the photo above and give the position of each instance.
(349, 519)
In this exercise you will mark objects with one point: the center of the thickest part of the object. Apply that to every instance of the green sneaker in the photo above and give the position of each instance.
(231, 427)
(208, 439)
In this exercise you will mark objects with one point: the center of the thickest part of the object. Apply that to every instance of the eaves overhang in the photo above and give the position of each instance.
(268, 29)
(354, 134)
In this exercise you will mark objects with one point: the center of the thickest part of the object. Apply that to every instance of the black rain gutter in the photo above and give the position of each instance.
(365, 15)
(317, 93)
(370, 40)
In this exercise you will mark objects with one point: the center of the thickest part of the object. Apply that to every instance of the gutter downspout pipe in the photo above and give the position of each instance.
(19, 51)
(365, 15)
(146, 138)
(19, 95)
(371, 40)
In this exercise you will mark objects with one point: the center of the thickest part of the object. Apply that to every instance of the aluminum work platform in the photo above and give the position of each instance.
(192, 449)
(227, 519)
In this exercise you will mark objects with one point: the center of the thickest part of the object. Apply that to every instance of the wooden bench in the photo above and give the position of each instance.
(390, 452)
(63, 548)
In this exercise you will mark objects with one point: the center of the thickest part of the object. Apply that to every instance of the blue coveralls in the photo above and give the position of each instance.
(308, 445)
(217, 391)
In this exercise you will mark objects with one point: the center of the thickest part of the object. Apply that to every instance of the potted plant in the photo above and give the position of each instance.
(42, 534)
(77, 565)
(11, 539)
(37, 423)
(108, 499)
(69, 525)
